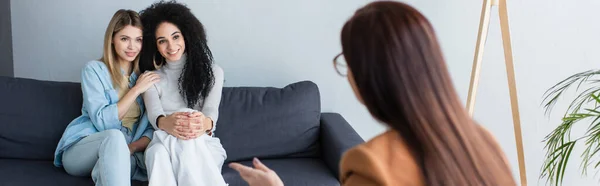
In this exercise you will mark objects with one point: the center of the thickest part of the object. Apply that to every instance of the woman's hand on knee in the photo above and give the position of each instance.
(174, 124)
(198, 125)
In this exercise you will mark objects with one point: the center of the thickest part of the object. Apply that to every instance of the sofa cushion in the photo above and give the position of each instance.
(15, 172)
(34, 115)
(270, 122)
(293, 172)
(28, 172)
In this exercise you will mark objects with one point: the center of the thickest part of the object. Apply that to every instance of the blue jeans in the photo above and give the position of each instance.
(105, 155)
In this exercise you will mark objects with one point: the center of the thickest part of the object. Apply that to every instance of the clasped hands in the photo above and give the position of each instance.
(185, 125)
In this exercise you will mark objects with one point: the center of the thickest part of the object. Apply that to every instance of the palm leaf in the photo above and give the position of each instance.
(552, 95)
(558, 143)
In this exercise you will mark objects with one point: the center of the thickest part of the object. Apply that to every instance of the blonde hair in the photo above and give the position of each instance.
(120, 20)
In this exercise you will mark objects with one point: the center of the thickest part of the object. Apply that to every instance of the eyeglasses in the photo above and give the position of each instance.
(340, 65)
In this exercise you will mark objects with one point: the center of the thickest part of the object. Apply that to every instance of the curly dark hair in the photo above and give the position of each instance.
(197, 77)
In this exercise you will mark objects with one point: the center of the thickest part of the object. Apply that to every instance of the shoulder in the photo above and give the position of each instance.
(95, 71)
(218, 73)
(95, 65)
(377, 162)
(217, 70)
(164, 78)
(368, 155)
(159, 71)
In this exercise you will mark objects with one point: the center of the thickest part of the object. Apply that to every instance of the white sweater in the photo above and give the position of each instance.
(164, 98)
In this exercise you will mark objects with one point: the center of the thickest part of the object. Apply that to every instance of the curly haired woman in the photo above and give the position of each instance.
(184, 106)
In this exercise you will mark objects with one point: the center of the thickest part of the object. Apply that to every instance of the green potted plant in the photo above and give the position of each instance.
(583, 110)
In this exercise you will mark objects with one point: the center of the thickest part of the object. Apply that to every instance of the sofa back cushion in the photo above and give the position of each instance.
(270, 122)
(261, 122)
(34, 115)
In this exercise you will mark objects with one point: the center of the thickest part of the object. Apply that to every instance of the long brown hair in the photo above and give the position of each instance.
(397, 65)
(120, 20)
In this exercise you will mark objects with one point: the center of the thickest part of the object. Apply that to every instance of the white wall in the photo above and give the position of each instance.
(273, 43)
(552, 40)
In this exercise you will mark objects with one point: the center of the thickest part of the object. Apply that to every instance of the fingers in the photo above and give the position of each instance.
(183, 113)
(189, 132)
(191, 124)
(185, 134)
(195, 123)
(187, 126)
(180, 115)
(156, 80)
(181, 121)
(146, 74)
(188, 135)
(179, 135)
(244, 171)
(258, 165)
(143, 74)
(196, 114)
(196, 118)
(194, 136)
(153, 76)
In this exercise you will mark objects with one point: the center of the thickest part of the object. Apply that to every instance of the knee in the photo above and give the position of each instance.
(156, 151)
(114, 140)
(113, 134)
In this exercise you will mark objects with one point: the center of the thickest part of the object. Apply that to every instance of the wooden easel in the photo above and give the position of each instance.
(510, 72)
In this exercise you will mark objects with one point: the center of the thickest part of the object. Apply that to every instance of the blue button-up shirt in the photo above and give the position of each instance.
(99, 111)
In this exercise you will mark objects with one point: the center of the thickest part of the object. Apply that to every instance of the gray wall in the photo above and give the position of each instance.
(258, 43)
(273, 43)
(6, 55)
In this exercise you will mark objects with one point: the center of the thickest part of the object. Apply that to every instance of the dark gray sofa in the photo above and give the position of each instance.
(282, 126)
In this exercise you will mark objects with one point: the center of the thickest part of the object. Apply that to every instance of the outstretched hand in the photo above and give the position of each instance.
(260, 175)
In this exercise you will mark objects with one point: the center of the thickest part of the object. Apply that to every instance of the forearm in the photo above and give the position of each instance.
(210, 108)
(126, 102)
(141, 144)
(162, 122)
(153, 106)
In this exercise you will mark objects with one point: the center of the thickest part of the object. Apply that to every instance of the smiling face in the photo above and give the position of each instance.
(169, 41)
(127, 43)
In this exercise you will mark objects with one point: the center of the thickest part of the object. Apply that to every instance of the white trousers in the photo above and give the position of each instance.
(197, 162)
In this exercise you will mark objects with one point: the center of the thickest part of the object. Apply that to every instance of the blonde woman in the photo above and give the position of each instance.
(108, 140)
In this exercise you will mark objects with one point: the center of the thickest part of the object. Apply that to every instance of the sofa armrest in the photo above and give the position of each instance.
(336, 136)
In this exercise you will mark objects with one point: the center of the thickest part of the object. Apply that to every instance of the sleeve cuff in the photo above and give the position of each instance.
(214, 124)
(154, 120)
